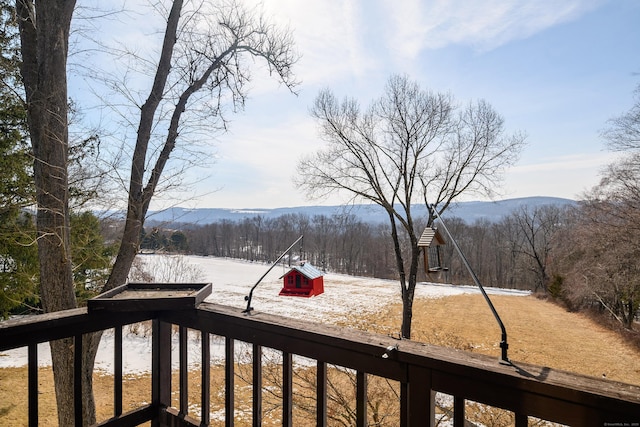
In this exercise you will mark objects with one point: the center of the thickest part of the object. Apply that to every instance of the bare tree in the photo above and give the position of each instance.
(623, 132)
(199, 55)
(409, 146)
(533, 239)
(168, 269)
(601, 248)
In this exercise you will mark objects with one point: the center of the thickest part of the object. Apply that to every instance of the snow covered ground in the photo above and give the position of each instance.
(232, 280)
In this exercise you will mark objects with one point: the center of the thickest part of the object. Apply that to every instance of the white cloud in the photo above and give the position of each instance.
(570, 162)
(256, 163)
(351, 46)
(419, 25)
(328, 33)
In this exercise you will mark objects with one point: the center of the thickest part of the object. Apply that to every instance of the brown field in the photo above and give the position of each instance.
(539, 332)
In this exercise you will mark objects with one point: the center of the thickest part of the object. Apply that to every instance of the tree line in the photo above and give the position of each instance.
(511, 253)
(582, 255)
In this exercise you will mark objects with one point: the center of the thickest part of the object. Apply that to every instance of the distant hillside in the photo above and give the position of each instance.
(494, 211)
(467, 211)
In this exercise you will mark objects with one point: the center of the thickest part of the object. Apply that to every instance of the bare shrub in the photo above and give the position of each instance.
(165, 269)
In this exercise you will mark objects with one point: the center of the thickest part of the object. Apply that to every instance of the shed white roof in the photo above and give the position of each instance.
(307, 270)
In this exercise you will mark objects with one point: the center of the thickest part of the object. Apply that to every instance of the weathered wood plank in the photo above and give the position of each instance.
(570, 410)
(150, 296)
(39, 328)
(363, 351)
(410, 352)
(524, 389)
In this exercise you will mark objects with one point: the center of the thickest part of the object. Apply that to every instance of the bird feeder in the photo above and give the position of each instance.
(302, 280)
(431, 242)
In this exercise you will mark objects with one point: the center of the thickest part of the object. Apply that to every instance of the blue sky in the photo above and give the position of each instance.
(556, 70)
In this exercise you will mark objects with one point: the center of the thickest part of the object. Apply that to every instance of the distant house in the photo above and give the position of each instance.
(302, 280)
(430, 241)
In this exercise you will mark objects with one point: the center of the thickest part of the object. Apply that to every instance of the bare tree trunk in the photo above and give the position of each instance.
(139, 196)
(406, 291)
(137, 206)
(44, 72)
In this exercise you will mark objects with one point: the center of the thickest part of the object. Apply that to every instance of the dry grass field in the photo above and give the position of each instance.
(539, 333)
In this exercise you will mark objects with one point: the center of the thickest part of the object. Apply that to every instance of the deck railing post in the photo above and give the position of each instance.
(257, 385)
(117, 371)
(33, 385)
(458, 411)
(287, 389)
(205, 380)
(229, 381)
(404, 404)
(420, 398)
(521, 420)
(361, 399)
(184, 371)
(77, 380)
(321, 394)
(161, 370)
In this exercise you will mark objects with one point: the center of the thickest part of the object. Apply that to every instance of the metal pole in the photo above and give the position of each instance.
(504, 359)
(248, 297)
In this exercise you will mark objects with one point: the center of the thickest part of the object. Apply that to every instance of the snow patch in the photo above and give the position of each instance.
(232, 280)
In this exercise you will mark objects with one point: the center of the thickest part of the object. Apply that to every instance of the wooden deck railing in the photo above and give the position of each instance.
(418, 371)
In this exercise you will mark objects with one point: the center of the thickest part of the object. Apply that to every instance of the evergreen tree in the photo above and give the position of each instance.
(91, 257)
(18, 250)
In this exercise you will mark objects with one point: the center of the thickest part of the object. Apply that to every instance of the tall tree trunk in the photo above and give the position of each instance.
(139, 196)
(407, 313)
(44, 34)
(406, 291)
(409, 290)
(139, 199)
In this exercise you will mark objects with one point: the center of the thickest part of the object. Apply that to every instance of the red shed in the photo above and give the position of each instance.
(303, 280)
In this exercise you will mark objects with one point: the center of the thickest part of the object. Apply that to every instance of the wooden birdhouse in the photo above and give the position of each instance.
(303, 280)
(431, 241)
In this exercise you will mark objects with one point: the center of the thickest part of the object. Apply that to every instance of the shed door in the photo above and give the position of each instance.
(298, 281)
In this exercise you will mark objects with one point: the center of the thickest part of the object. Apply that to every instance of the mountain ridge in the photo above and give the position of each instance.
(469, 212)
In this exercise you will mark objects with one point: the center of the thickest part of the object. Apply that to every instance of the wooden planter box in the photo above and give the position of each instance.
(151, 297)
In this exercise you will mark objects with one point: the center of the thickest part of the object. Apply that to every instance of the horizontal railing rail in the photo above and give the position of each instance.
(419, 371)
